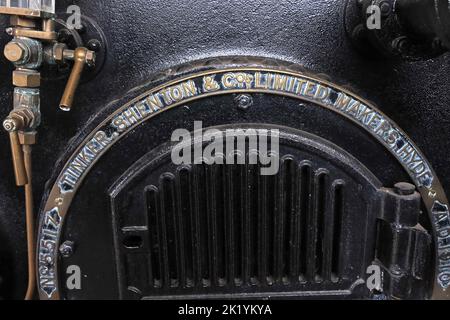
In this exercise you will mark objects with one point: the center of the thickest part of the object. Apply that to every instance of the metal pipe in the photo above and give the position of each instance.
(18, 159)
(30, 223)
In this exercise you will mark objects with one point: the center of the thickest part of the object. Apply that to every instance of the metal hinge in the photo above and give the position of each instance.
(403, 247)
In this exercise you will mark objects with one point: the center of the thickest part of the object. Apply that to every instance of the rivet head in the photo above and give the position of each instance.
(244, 101)
(94, 45)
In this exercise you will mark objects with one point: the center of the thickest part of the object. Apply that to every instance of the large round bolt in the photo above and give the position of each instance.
(67, 249)
(15, 52)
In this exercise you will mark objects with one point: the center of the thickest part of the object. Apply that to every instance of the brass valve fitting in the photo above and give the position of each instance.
(19, 120)
(24, 53)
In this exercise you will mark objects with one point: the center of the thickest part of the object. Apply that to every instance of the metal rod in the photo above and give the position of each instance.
(29, 224)
(18, 161)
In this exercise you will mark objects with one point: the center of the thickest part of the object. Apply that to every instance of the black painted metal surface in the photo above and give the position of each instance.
(145, 37)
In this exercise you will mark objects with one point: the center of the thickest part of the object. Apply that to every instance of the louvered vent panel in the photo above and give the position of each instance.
(228, 226)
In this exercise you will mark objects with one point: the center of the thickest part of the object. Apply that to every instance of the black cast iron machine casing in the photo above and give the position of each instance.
(148, 45)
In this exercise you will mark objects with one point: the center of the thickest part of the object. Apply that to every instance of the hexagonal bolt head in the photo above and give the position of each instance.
(90, 58)
(15, 52)
(58, 52)
(26, 79)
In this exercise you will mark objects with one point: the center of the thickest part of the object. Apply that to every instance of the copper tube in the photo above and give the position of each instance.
(18, 162)
(30, 224)
(35, 34)
(74, 79)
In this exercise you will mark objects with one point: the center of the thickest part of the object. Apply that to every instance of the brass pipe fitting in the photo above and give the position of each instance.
(24, 53)
(19, 119)
(26, 78)
(35, 34)
(82, 57)
(47, 33)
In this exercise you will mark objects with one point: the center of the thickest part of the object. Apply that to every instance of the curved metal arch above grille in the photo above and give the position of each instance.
(227, 231)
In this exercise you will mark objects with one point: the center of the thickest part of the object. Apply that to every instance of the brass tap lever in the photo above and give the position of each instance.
(18, 163)
(82, 57)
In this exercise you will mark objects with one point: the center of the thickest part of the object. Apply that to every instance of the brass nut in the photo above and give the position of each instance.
(90, 58)
(26, 79)
(58, 52)
(14, 123)
(15, 51)
(20, 119)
